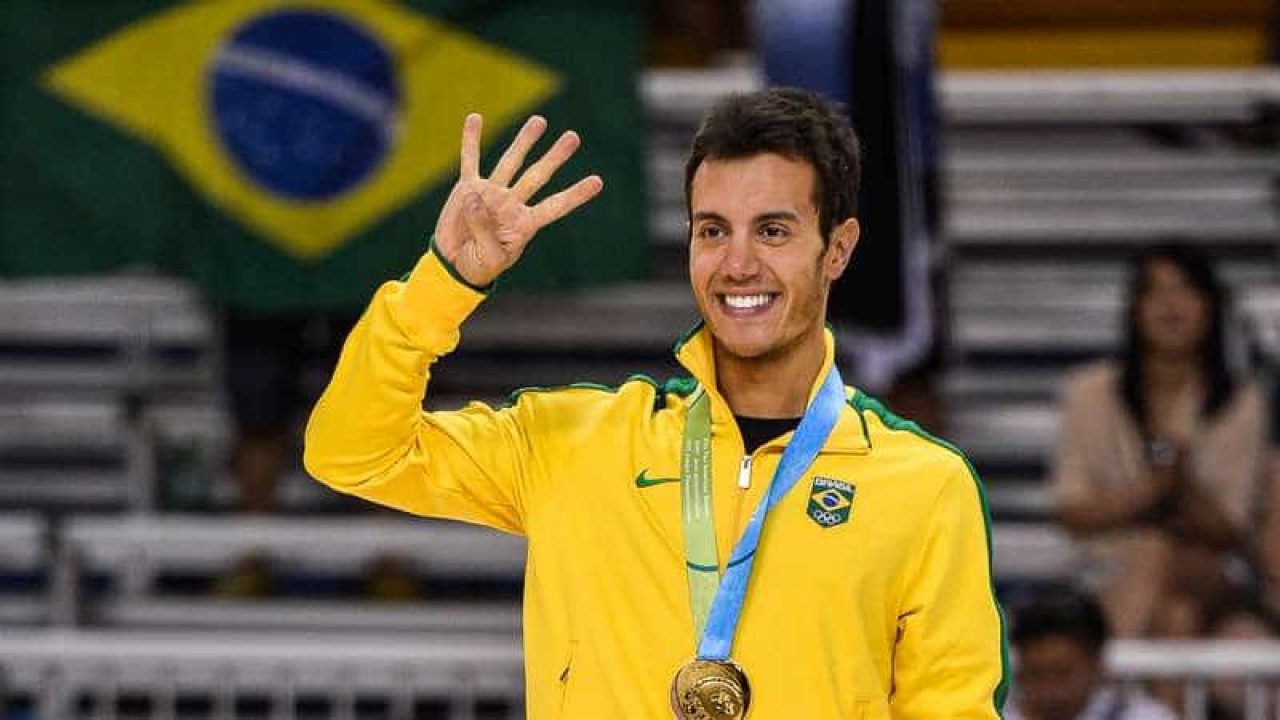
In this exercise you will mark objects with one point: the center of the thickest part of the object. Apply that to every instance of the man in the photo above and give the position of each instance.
(870, 593)
(1060, 638)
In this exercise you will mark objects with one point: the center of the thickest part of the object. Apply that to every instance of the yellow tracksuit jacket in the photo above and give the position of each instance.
(882, 610)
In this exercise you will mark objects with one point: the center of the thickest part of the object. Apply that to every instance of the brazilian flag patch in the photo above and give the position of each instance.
(830, 501)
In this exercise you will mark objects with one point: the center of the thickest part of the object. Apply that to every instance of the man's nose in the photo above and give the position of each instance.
(741, 260)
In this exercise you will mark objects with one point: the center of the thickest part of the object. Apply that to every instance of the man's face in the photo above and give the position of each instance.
(1056, 676)
(757, 261)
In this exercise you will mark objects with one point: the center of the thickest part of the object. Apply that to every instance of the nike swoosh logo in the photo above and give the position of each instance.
(643, 480)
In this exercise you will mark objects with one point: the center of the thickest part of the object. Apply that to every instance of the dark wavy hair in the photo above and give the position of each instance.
(797, 124)
(1058, 611)
(1199, 272)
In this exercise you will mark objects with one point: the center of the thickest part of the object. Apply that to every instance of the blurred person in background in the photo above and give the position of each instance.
(696, 33)
(1268, 591)
(264, 356)
(1060, 637)
(1162, 456)
(877, 59)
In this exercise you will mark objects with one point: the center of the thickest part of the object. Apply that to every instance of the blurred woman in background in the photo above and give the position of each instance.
(1162, 461)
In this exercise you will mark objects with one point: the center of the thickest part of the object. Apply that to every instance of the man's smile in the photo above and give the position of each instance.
(746, 305)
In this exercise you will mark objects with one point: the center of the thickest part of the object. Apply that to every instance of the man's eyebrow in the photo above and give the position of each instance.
(777, 215)
(762, 217)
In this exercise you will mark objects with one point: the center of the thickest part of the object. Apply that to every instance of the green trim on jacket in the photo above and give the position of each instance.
(864, 402)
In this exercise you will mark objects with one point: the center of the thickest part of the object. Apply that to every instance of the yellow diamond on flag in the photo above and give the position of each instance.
(831, 500)
(306, 122)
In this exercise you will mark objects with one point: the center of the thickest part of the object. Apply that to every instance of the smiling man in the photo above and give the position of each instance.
(756, 540)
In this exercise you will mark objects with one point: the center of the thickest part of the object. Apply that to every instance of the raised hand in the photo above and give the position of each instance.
(486, 223)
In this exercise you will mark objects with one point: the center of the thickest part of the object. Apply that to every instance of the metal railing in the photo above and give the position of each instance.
(72, 674)
(75, 674)
(1199, 664)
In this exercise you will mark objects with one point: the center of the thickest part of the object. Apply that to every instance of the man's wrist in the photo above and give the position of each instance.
(433, 246)
(431, 304)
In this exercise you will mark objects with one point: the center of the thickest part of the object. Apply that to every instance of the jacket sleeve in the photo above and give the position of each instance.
(369, 436)
(951, 657)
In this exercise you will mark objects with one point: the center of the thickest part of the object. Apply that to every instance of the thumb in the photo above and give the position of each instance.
(480, 220)
(479, 260)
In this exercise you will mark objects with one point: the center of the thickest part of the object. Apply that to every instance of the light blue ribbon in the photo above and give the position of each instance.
(809, 438)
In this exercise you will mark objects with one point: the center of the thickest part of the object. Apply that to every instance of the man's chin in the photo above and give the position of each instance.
(744, 348)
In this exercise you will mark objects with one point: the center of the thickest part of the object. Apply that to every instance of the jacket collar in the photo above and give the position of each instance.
(696, 352)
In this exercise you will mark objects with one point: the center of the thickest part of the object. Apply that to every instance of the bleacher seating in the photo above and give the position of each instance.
(24, 560)
(132, 333)
(1262, 319)
(1039, 166)
(109, 388)
(89, 369)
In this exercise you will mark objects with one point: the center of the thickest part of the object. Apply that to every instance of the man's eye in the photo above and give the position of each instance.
(774, 232)
(710, 232)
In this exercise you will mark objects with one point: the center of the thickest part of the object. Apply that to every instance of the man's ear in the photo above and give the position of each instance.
(844, 238)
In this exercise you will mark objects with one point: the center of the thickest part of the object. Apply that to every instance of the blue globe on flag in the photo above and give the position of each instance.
(305, 103)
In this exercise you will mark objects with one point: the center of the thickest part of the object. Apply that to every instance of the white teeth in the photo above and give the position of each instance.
(744, 302)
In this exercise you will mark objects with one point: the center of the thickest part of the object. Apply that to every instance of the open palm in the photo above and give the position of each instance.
(487, 223)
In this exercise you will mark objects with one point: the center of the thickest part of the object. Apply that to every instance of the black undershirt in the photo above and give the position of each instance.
(758, 431)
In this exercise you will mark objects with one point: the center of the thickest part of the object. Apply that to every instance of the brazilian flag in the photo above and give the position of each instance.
(292, 154)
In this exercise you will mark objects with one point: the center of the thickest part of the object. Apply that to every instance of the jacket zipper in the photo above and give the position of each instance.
(744, 482)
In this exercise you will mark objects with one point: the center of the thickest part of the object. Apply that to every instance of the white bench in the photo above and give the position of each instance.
(1107, 96)
(124, 327)
(1262, 310)
(136, 547)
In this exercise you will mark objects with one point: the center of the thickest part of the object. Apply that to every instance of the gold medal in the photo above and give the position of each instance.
(710, 690)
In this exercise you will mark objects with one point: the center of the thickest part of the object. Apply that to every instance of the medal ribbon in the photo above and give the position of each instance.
(717, 603)
(700, 554)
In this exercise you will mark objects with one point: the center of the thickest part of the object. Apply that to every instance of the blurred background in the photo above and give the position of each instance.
(1070, 267)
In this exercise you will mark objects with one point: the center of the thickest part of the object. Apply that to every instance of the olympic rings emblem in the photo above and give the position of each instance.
(824, 518)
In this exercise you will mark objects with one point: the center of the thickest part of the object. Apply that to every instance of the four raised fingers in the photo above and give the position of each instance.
(531, 180)
(513, 158)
